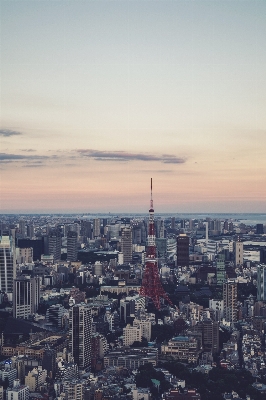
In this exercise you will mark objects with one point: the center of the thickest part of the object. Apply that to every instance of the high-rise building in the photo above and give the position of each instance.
(7, 264)
(261, 282)
(182, 252)
(230, 301)
(220, 269)
(30, 231)
(54, 244)
(36, 244)
(210, 334)
(263, 255)
(26, 296)
(80, 335)
(72, 247)
(22, 228)
(85, 229)
(259, 229)
(238, 250)
(173, 223)
(126, 245)
(96, 227)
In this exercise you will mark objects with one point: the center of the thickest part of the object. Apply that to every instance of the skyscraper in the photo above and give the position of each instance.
(72, 246)
(7, 264)
(261, 282)
(80, 335)
(220, 269)
(96, 227)
(238, 247)
(126, 245)
(26, 296)
(22, 228)
(54, 244)
(230, 301)
(182, 252)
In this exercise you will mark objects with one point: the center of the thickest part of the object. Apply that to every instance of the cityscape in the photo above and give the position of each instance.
(134, 307)
(132, 200)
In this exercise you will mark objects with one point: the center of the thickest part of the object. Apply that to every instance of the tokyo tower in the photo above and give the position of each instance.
(151, 285)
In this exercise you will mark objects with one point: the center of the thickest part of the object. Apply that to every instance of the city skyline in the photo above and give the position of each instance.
(97, 97)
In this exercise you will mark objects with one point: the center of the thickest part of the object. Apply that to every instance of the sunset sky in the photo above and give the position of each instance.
(99, 96)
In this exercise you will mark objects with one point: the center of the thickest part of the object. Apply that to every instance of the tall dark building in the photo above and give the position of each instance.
(86, 229)
(80, 335)
(7, 264)
(126, 245)
(182, 252)
(263, 255)
(72, 246)
(54, 244)
(259, 229)
(210, 334)
(36, 244)
(26, 297)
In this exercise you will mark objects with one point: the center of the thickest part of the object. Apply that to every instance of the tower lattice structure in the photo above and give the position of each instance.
(151, 284)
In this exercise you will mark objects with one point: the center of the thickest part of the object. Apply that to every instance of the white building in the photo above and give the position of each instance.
(218, 307)
(145, 326)
(18, 391)
(132, 334)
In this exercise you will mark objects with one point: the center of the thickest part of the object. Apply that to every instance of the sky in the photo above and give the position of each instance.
(99, 96)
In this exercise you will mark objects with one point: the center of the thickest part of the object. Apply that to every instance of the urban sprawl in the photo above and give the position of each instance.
(142, 307)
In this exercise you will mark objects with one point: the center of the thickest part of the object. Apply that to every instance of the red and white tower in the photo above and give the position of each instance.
(151, 285)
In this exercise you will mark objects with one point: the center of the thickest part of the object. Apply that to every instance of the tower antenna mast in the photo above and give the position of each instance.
(151, 284)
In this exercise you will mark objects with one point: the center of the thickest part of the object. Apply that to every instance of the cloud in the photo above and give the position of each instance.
(28, 150)
(7, 158)
(99, 155)
(9, 132)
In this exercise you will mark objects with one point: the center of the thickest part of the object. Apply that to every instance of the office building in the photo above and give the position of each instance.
(54, 244)
(26, 297)
(238, 250)
(18, 391)
(220, 269)
(261, 282)
(22, 228)
(263, 255)
(96, 227)
(35, 378)
(30, 231)
(36, 244)
(210, 334)
(80, 335)
(126, 245)
(72, 246)
(230, 301)
(74, 389)
(132, 334)
(218, 308)
(173, 223)
(7, 264)
(259, 229)
(54, 315)
(86, 229)
(182, 251)
(24, 255)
